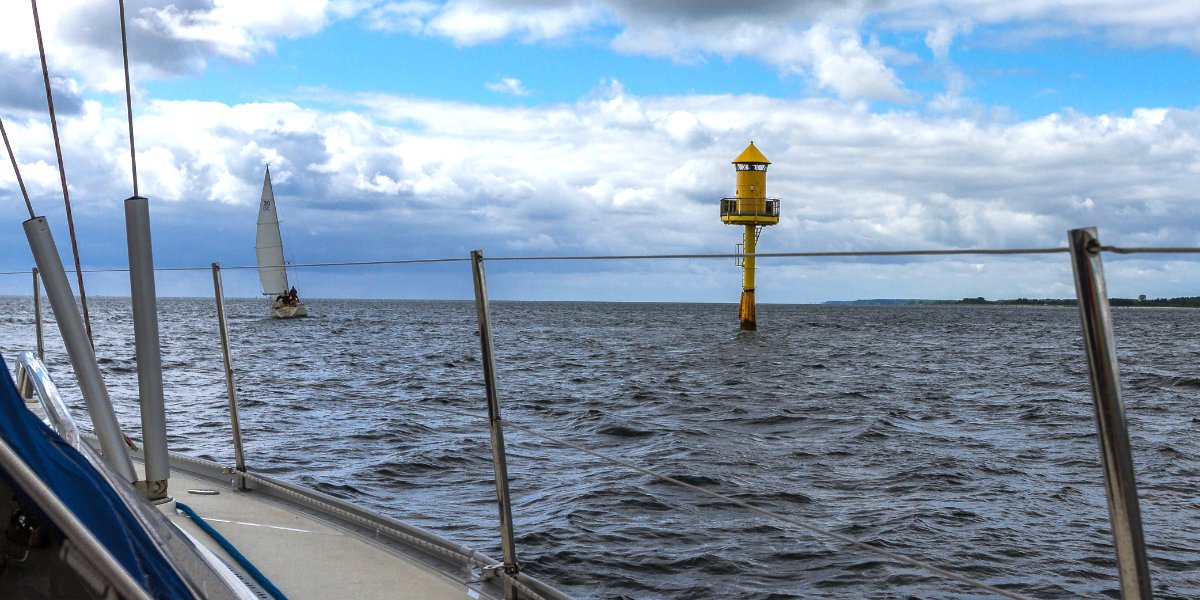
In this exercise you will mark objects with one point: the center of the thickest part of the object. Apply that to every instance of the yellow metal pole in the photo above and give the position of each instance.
(746, 308)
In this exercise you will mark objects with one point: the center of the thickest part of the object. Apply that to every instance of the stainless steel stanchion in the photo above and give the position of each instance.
(1110, 415)
(489, 376)
(240, 459)
(37, 315)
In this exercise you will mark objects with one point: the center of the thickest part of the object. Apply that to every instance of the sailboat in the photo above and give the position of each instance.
(268, 246)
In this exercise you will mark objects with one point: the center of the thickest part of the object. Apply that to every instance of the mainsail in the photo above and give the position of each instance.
(268, 245)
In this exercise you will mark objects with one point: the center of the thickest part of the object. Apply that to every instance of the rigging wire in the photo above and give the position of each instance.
(774, 515)
(62, 172)
(295, 276)
(128, 99)
(12, 157)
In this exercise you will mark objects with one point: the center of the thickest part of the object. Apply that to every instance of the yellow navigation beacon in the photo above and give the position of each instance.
(751, 208)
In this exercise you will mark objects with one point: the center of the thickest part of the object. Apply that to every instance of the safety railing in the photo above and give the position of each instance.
(1084, 249)
(761, 208)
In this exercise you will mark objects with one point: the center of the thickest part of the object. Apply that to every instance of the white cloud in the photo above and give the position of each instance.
(833, 44)
(239, 29)
(539, 242)
(686, 129)
(792, 39)
(939, 39)
(616, 174)
(401, 17)
(832, 55)
(471, 22)
(166, 37)
(1137, 23)
(507, 85)
(824, 41)
(954, 99)
(840, 62)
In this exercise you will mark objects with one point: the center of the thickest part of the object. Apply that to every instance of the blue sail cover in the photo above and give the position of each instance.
(85, 492)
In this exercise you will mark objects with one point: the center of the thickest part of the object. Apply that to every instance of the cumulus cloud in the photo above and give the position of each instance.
(940, 37)
(1138, 23)
(470, 22)
(167, 37)
(840, 62)
(401, 17)
(833, 44)
(791, 37)
(507, 85)
(830, 42)
(25, 89)
(672, 23)
(616, 173)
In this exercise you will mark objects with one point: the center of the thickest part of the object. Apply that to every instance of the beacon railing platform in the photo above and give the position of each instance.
(768, 207)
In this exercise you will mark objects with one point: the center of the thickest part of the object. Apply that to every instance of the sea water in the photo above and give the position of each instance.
(960, 436)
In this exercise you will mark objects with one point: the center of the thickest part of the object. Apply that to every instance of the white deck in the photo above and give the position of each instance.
(302, 556)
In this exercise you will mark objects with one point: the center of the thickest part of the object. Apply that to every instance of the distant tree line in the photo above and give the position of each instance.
(1186, 302)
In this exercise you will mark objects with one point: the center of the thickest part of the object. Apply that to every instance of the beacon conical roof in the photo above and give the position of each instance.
(751, 155)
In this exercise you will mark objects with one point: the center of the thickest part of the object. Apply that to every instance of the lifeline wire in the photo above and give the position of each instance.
(335, 264)
(62, 172)
(1117, 250)
(128, 99)
(866, 253)
(837, 536)
(16, 170)
(798, 254)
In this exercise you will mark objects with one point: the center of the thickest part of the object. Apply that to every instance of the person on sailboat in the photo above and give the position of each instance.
(292, 298)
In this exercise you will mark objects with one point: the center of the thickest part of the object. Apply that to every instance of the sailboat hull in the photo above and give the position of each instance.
(284, 311)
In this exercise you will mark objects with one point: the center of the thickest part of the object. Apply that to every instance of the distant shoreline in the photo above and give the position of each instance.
(1183, 302)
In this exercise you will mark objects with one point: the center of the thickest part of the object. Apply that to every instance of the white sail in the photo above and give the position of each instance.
(268, 245)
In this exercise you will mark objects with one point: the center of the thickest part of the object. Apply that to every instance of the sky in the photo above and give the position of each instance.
(400, 130)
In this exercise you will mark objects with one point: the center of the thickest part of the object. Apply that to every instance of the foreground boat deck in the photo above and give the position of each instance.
(283, 540)
(303, 555)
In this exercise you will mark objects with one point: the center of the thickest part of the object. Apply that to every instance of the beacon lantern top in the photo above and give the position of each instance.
(751, 156)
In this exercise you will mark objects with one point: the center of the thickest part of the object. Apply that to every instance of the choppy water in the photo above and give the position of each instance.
(962, 436)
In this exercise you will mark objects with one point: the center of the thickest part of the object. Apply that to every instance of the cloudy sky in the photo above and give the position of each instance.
(412, 129)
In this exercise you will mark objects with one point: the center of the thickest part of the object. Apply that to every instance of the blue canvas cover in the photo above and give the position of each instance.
(77, 484)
